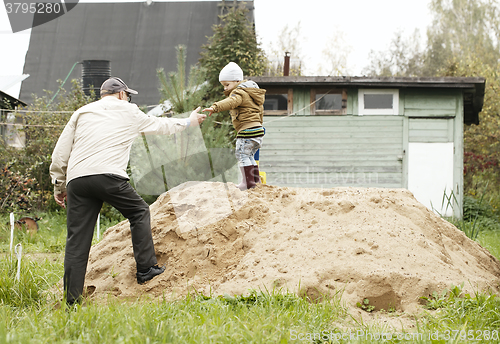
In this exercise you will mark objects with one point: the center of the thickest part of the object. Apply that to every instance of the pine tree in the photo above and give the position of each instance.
(233, 41)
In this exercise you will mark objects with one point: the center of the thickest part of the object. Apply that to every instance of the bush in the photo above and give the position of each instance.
(44, 121)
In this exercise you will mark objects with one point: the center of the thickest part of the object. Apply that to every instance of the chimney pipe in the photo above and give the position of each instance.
(286, 66)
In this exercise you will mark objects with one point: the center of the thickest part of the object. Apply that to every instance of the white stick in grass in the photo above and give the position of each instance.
(11, 231)
(19, 252)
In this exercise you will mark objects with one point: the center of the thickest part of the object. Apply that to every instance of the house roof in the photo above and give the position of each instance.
(7, 81)
(9, 102)
(136, 37)
(473, 88)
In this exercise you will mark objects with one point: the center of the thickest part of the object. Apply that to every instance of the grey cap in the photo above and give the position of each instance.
(114, 85)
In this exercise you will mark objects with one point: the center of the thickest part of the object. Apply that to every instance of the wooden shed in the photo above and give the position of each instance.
(393, 132)
(9, 122)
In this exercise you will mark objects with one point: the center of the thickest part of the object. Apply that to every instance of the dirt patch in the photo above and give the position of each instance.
(367, 243)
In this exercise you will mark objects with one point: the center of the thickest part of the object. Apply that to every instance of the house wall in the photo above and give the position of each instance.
(420, 149)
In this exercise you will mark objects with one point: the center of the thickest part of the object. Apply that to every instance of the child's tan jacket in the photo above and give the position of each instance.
(246, 105)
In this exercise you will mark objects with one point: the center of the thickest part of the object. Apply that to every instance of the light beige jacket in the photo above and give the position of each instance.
(98, 137)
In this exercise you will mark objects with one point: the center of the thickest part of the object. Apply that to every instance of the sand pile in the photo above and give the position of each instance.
(379, 244)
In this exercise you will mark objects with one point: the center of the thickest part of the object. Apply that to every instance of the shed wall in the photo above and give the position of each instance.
(366, 151)
(329, 151)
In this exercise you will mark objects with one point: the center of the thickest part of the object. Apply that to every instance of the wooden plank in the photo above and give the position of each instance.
(383, 158)
(332, 140)
(339, 119)
(314, 147)
(301, 101)
(333, 129)
(312, 164)
(458, 157)
(415, 134)
(404, 155)
(339, 152)
(431, 130)
(430, 113)
(429, 124)
(430, 102)
(328, 180)
(326, 137)
(330, 169)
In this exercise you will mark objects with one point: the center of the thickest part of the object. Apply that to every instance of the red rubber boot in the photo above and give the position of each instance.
(248, 178)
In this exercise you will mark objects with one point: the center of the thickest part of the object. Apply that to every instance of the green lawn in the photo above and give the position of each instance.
(30, 314)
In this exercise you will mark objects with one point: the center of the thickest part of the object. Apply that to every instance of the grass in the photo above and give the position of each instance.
(51, 236)
(490, 240)
(267, 319)
(28, 313)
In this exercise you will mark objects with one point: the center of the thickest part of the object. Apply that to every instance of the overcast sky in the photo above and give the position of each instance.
(364, 25)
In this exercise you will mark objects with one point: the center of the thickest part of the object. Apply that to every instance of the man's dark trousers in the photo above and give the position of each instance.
(85, 198)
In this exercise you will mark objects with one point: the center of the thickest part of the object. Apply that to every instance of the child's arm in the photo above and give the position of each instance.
(231, 102)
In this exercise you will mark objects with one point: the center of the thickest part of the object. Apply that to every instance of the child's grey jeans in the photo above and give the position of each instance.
(245, 150)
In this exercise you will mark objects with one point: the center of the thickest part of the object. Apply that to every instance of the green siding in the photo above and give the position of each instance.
(329, 151)
(431, 130)
(301, 101)
(425, 103)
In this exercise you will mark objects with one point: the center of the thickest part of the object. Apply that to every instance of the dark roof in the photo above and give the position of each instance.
(473, 88)
(9, 102)
(137, 38)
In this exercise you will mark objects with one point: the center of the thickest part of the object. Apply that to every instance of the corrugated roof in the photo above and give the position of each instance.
(137, 38)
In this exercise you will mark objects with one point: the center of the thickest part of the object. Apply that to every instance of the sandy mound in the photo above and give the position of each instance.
(379, 244)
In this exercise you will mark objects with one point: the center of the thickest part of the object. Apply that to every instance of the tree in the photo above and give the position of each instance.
(185, 98)
(461, 29)
(289, 41)
(404, 57)
(233, 41)
(482, 141)
(335, 56)
(463, 41)
(173, 88)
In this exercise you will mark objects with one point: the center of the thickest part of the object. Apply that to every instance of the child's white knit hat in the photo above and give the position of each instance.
(231, 72)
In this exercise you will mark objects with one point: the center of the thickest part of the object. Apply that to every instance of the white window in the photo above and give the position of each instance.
(378, 102)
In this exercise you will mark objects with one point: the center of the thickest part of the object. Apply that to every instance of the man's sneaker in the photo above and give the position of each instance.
(153, 271)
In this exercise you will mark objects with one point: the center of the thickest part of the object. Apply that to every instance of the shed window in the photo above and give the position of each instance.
(328, 101)
(378, 102)
(275, 102)
(278, 101)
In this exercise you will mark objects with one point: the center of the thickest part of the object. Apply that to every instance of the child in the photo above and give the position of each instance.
(245, 100)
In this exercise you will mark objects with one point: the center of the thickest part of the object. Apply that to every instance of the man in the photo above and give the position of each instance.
(89, 167)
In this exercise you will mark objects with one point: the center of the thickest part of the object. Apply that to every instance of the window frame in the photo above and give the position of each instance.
(380, 112)
(332, 112)
(280, 91)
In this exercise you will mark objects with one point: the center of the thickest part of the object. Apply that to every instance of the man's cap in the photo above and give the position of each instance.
(114, 85)
(231, 72)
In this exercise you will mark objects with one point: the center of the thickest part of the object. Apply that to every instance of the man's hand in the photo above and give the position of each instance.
(60, 198)
(196, 118)
(209, 110)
